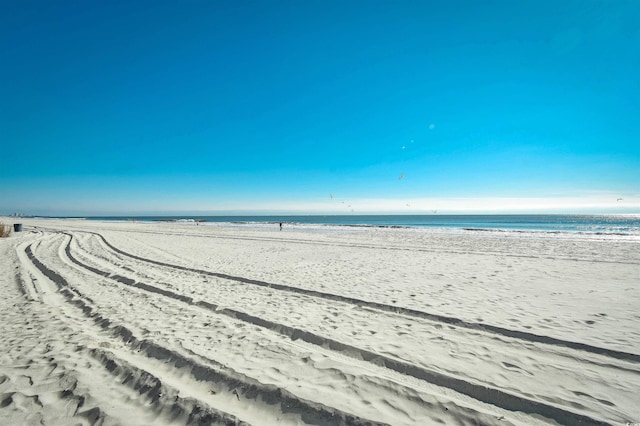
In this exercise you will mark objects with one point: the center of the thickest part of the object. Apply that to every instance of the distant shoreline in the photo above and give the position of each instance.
(610, 224)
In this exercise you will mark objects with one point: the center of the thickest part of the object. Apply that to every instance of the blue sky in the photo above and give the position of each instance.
(311, 106)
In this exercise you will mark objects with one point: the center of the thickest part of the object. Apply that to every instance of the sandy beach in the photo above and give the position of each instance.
(172, 323)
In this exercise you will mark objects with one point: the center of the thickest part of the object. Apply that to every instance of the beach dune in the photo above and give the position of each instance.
(171, 323)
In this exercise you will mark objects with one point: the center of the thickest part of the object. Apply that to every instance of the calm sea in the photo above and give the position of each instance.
(600, 224)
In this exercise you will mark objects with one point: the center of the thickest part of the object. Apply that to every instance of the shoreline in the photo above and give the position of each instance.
(626, 226)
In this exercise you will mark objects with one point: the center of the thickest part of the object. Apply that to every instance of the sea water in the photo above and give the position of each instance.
(592, 224)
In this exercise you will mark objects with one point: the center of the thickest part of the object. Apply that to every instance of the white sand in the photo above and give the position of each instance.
(172, 323)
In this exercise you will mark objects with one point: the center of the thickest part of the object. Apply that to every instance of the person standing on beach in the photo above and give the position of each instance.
(281, 226)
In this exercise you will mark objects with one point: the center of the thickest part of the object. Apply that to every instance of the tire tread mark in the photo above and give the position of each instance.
(146, 384)
(479, 392)
(310, 411)
(514, 334)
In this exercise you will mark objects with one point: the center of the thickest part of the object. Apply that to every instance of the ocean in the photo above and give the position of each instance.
(594, 224)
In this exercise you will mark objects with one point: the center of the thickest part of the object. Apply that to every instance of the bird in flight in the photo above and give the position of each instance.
(401, 176)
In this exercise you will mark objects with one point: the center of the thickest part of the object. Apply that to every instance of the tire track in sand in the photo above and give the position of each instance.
(479, 392)
(251, 389)
(514, 334)
(54, 377)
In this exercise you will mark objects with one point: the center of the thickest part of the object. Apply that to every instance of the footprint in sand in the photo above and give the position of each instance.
(22, 402)
(24, 381)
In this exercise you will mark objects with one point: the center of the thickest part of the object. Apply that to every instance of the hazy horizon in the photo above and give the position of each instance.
(559, 210)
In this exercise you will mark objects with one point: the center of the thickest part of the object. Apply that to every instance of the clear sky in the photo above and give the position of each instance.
(124, 107)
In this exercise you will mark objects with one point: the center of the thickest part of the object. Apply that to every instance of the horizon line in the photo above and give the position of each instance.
(299, 214)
